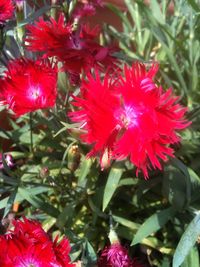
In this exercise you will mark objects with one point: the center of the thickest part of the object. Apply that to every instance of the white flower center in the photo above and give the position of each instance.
(34, 92)
(127, 117)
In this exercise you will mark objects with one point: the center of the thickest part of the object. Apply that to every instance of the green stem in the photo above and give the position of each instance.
(31, 132)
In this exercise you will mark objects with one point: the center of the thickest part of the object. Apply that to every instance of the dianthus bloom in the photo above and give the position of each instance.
(116, 256)
(28, 245)
(28, 85)
(87, 8)
(77, 49)
(129, 117)
(6, 10)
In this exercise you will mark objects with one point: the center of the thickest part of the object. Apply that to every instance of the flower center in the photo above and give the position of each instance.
(127, 117)
(30, 262)
(34, 92)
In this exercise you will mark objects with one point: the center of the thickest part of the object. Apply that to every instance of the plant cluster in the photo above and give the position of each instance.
(99, 134)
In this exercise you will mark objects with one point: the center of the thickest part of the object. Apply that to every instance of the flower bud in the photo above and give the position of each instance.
(73, 158)
(44, 172)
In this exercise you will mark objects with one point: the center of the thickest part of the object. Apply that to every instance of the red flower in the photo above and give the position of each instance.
(50, 36)
(130, 117)
(29, 245)
(61, 250)
(115, 256)
(32, 230)
(77, 49)
(6, 10)
(87, 8)
(29, 85)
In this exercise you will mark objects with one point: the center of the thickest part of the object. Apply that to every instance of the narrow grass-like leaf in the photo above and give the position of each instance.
(83, 171)
(111, 185)
(122, 16)
(192, 259)
(187, 241)
(176, 162)
(153, 224)
(38, 203)
(10, 202)
(194, 5)
(127, 223)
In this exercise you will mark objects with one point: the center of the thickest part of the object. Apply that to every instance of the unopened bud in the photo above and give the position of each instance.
(73, 157)
(44, 172)
(113, 237)
(106, 159)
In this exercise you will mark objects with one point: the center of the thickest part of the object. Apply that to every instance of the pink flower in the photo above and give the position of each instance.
(6, 10)
(29, 245)
(8, 159)
(86, 8)
(115, 256)
(130, 117)
(29, 85)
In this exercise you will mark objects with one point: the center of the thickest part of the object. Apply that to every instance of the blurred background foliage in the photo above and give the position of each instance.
(52, 179)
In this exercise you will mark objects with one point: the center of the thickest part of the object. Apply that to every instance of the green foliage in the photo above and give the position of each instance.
(55, 182)
(187, 242)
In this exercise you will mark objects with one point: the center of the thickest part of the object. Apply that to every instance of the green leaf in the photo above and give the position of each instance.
(174, 188)
(95, 209)
(195, 185)
(183, 168)
(127, 223)
(34, 16)
(90, 256)
(156, 11)
(111, 185)
(121, 15)
(187, 241)
(10, 202)
(128, 181)
(153, 224)
(194, 5)
(38, 203)
(83, 171)
(66, 216)
(66, 127)
(192, 259)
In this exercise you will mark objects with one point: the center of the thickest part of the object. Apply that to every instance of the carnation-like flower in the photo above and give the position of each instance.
(28, 245)
(77, 49)
(6, 10)
(86, 8)
(29, 85)
(129, 116)
(115, 256)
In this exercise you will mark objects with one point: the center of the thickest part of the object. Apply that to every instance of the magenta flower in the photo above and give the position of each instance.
(115, 256)
(8, 159)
